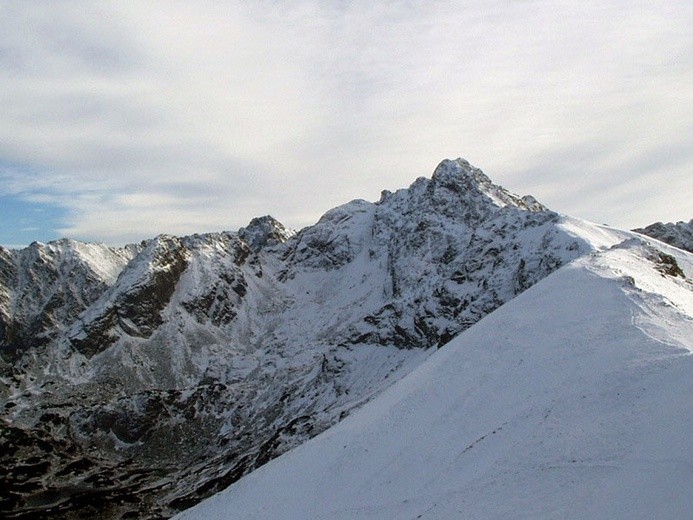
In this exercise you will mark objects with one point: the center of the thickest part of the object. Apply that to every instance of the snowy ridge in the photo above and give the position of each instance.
(571, 401)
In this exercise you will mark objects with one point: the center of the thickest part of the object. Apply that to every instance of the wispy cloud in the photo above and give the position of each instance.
(141, 118)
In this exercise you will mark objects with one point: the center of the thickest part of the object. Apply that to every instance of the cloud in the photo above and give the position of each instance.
(181, 117)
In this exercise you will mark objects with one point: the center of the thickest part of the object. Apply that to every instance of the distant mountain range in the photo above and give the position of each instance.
(137, 381)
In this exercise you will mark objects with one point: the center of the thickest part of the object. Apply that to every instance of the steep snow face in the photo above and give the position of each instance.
(679, 234)
(571, 401)
(236, 347)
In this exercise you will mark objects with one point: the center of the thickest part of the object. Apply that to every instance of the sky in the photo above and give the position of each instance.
(123, 120)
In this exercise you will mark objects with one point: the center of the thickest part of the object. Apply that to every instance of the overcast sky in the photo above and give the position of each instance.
(122, 120)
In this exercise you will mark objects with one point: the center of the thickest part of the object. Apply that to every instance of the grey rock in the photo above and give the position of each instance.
(679, 234)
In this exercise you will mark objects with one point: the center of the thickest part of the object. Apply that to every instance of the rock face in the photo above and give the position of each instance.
(137, 385)
(44, 287)
(678, 235)
(134, 305)
(264, 231)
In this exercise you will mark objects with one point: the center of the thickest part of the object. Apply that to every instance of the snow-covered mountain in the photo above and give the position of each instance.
(166, 371)
(679, 234)
(571, 401)
(43, 287)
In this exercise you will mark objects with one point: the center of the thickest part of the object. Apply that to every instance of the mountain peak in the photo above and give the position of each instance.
(264, 231)
(461, 177)
(458, 169)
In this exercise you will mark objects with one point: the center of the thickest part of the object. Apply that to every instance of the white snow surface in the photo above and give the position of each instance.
(573, 400)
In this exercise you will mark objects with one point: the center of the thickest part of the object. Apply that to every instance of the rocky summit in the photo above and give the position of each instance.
(137, 381)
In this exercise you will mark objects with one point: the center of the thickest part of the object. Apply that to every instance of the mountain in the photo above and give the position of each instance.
(573, 400)
(45, 286)
(137, 381)
(679, 235)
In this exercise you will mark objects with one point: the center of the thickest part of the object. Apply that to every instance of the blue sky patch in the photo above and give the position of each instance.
(23, 222)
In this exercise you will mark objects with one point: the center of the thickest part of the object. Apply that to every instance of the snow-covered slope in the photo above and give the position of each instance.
(573, 400)
(679, 234)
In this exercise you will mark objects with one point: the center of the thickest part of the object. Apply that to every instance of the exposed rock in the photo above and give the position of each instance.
(678, 235)
(134, 304)
(44, 287)
(264, 231)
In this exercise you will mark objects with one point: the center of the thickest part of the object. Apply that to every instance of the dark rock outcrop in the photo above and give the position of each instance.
(679, 234)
